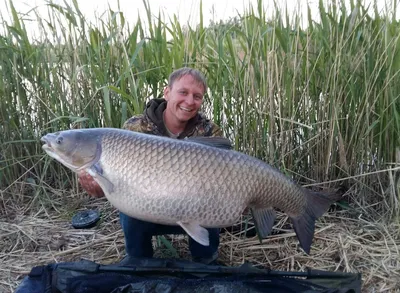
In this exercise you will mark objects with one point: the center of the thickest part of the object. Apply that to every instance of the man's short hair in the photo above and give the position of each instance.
(179, 73)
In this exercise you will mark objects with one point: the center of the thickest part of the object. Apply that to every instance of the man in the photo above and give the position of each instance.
(177, 116)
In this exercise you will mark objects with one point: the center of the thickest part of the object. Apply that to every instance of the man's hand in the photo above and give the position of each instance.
(91, 186)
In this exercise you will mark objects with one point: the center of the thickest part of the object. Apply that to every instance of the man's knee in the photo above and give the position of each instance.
(128, 223)
(138, 236)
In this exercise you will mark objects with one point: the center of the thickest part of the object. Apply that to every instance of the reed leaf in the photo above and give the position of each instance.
(320, 102)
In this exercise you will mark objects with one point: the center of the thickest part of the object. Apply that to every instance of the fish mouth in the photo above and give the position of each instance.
(46, 142)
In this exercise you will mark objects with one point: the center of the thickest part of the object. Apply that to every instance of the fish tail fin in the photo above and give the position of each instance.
(317, 204)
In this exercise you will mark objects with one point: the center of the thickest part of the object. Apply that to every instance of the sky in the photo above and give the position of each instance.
(187, 11)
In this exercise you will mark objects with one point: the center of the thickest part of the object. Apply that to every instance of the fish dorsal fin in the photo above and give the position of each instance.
(214, 141)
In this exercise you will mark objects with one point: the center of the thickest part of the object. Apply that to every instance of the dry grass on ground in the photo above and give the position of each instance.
(37, 231)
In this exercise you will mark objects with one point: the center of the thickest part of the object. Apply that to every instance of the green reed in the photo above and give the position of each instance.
(319, 102)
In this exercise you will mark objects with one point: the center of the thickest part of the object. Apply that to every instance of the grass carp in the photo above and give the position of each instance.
(191, 182)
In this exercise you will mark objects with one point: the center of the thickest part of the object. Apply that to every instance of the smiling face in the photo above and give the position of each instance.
(184, 97)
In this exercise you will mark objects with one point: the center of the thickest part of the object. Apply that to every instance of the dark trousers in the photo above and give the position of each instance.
(138, 236)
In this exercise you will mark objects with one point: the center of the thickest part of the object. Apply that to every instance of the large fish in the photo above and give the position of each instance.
(189, 182)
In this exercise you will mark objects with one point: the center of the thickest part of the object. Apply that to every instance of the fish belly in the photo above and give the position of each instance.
(167, 204)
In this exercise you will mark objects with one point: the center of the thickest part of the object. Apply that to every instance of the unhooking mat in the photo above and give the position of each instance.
(179, 276)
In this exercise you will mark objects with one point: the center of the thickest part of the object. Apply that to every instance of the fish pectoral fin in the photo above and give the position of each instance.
(195, 231)
(264, 221)
(97, 173)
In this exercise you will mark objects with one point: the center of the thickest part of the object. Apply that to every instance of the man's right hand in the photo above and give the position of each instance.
(90, 185)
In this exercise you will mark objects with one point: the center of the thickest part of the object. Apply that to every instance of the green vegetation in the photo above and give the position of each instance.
(321, 103)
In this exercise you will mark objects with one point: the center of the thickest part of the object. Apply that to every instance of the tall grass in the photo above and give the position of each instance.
(319, 102)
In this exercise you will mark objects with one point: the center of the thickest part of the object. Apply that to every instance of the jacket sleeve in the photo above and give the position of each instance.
(216, 130)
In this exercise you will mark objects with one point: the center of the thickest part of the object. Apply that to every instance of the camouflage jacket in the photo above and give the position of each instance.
(151, 122)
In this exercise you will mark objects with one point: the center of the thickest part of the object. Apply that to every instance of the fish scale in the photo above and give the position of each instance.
(192, 183)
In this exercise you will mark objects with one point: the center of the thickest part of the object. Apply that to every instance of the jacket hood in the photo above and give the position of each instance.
(154, 112)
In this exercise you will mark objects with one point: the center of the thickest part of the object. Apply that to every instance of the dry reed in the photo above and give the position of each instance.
(35, 231)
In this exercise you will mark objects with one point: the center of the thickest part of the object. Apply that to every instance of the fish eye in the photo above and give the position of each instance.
(59, 140)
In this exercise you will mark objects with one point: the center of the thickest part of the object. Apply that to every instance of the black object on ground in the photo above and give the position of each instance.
(180, 276)
(85, 219)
